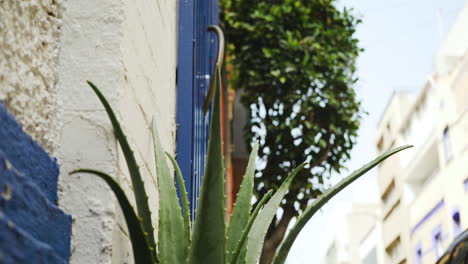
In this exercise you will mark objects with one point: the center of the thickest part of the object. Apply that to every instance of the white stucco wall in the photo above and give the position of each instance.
(149, 61)
(48, 49)
(128, 49)
(29, 34)
(90, 50)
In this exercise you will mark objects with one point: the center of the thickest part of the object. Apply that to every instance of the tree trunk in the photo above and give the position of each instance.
(275, 235)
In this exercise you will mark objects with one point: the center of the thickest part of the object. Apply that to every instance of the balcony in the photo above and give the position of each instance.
(430, 196)
(388, 171)
(395, 252)
(395, 222)
(422, 168)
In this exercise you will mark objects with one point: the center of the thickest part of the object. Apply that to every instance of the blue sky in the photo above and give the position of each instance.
(400, 38)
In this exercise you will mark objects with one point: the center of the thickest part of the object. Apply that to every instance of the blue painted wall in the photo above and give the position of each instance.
(27, 156)
(33, 229)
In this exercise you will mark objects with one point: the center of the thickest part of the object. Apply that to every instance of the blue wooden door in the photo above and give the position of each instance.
(196, 59)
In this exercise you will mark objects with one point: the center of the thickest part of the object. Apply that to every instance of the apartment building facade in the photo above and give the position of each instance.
(424, 191)
(356, 237)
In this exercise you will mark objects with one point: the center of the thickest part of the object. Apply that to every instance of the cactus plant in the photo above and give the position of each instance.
(210, 241)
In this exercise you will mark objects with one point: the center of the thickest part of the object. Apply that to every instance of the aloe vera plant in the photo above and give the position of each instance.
(212, 239)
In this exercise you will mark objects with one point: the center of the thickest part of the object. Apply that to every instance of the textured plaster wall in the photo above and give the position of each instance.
(29, 34)
(48, 49)
(90, 50)
(128, 49)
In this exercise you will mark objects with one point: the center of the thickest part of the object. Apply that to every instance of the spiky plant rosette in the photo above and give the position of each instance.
(212, 240)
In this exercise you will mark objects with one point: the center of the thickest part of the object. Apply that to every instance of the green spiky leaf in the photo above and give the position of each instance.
(172, 245)
(208, 238)
(263, 220)
(142, 253)
(283, 251)
(141, 198)
(238, 256)
(183, 194)
(241, 213)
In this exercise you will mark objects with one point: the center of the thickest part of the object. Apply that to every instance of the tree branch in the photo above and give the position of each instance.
(276, 235)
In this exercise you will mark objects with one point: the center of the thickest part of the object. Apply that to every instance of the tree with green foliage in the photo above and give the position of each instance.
(294, 61)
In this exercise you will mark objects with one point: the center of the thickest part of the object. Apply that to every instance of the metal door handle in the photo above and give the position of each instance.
(219, 63)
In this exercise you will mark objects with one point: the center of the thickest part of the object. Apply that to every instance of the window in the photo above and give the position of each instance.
(390, 196)
(418, 257)
(437, 239)
(197, 50)
(456, 223)
(438, 244)
(394, 250)
(380, 144)
(446, 142)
